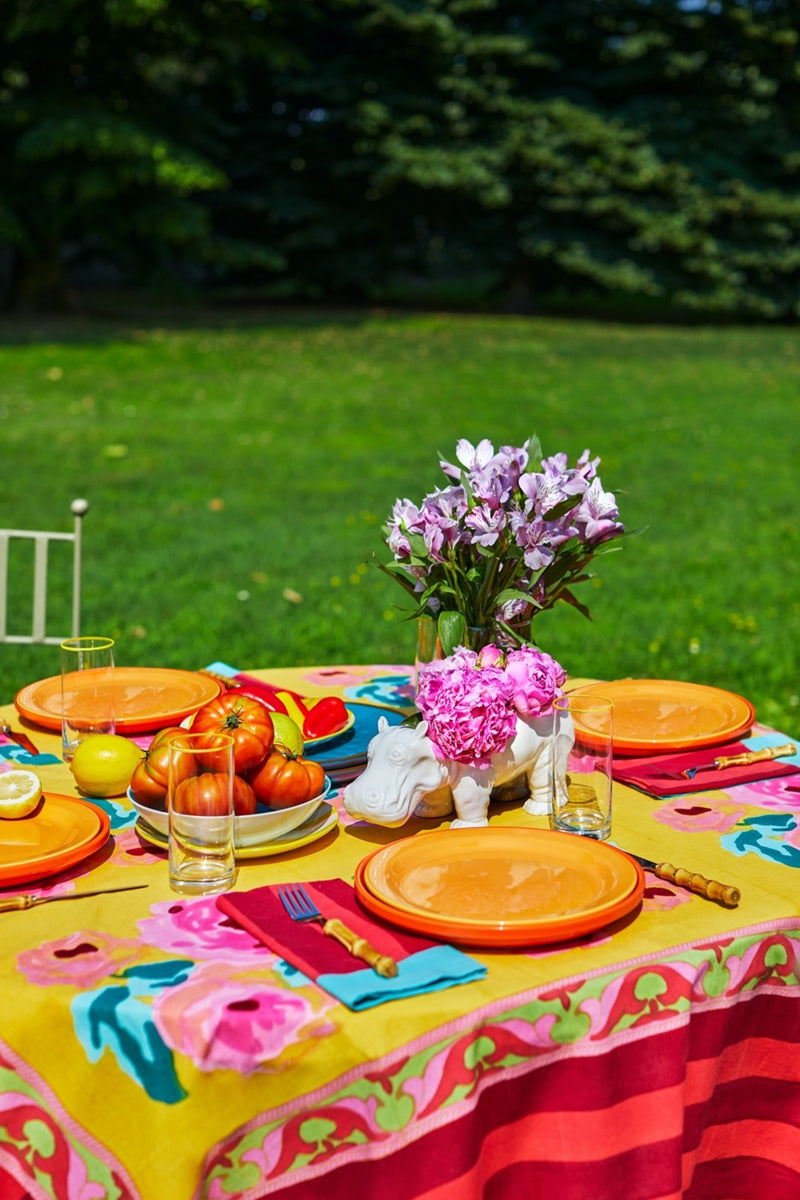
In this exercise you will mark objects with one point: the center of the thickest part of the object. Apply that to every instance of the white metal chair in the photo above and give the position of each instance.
(42, 540)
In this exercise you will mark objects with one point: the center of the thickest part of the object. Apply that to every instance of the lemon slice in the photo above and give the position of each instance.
(20, 792)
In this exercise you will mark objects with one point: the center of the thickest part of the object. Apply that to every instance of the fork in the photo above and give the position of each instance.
(300, 907)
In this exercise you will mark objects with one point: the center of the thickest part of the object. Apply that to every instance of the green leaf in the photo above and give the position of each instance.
(452, 628)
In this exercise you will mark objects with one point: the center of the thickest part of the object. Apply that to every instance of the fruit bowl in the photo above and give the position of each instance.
(254, 830)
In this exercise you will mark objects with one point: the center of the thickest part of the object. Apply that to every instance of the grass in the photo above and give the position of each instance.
(239, 468)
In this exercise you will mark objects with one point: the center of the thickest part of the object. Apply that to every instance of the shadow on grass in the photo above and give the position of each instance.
(98, 318)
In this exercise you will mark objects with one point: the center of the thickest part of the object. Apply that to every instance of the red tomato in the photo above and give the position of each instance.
(325, 717)
(202, 795)
(245, 800)
(156, 761)
(245, 720)
(284, 779)
(146, 789)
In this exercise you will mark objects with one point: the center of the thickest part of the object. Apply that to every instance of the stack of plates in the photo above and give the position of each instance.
(656, 716)
(500, 886)
(344, 756)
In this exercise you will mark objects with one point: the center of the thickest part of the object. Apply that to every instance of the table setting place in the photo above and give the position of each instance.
(464, 833)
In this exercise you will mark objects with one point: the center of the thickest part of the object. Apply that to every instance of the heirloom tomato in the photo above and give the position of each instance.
(147, 790)
(285, 779)
(245, 720)
(202, 795)
(206, 795)
(156, 762)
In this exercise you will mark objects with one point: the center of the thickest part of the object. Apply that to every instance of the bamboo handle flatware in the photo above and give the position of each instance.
(710, 889)
(742, 760)
(18, 903)
(300, 907)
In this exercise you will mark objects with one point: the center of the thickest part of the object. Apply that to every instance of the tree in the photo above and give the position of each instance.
(333, 147)
(110, 147)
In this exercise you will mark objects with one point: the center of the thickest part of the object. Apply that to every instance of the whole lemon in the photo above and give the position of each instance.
(103, 764)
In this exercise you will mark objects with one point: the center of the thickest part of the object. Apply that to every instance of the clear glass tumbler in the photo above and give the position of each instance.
(582, 765)
(201, 815)
(87, 690)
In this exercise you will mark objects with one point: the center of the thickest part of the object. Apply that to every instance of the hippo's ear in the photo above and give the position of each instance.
(382, 724)
(421, 729)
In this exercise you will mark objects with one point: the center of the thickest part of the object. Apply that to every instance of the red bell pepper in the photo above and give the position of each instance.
(325, 717)
(266, 696)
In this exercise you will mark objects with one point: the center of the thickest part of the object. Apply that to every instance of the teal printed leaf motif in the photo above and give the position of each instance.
(766, 836)
(146, 978)
(111, 1018)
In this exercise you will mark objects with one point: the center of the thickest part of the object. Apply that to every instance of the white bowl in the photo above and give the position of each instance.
(261, 826)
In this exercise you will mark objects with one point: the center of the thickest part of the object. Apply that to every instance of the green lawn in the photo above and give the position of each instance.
(239, 469)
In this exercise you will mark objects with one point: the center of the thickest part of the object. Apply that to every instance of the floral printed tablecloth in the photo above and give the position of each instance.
(149, 1048)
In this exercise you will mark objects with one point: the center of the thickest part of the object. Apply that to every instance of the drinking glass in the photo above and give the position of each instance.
(87, 690)
(201, 814)
(581, 765)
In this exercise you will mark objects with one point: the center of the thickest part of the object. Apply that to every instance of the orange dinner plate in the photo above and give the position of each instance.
(145, 698)
(499, 886)
(62, 831)
(654, 715)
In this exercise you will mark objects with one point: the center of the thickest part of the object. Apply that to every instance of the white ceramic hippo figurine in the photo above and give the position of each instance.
(403, 776)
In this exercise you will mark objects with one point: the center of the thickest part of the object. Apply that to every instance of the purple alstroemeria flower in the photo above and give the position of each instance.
(489, 531)
(486, 524)
(597, 515)
(440, 520)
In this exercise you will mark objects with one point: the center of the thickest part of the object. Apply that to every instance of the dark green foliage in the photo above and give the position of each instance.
(532, 152)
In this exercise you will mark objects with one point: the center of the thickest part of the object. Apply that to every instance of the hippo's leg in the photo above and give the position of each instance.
(472, 788)
(436, 804)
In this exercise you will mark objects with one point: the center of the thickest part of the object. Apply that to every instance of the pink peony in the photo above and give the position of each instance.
(471, 701)
(537, 680)
(468, 709)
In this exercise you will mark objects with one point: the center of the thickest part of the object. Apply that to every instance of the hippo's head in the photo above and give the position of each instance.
(401, 769)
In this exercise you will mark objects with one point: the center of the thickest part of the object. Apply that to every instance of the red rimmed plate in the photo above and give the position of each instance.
(499, 886)
(60, 833)
(145, 698)
(655, 715)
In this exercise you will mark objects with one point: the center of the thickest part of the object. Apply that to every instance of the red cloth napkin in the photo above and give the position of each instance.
(304, 944)
(653, 774)
(422, 965)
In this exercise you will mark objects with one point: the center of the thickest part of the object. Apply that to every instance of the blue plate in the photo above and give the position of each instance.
(349, 748)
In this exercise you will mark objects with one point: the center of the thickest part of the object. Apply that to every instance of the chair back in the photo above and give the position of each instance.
(41, 542)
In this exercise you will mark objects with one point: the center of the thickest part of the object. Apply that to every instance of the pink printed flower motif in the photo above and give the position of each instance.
(779, 793)
(197, 929)
(130, 852)
(83, 959)
(699, 816)
(235, 1019)
(660, 896)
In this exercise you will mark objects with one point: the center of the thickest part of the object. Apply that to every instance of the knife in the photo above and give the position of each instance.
(19, 737)
(741, 760)
(723, 893)
(17, 903)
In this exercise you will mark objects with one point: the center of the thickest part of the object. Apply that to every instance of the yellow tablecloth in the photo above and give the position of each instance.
(101, 1099)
